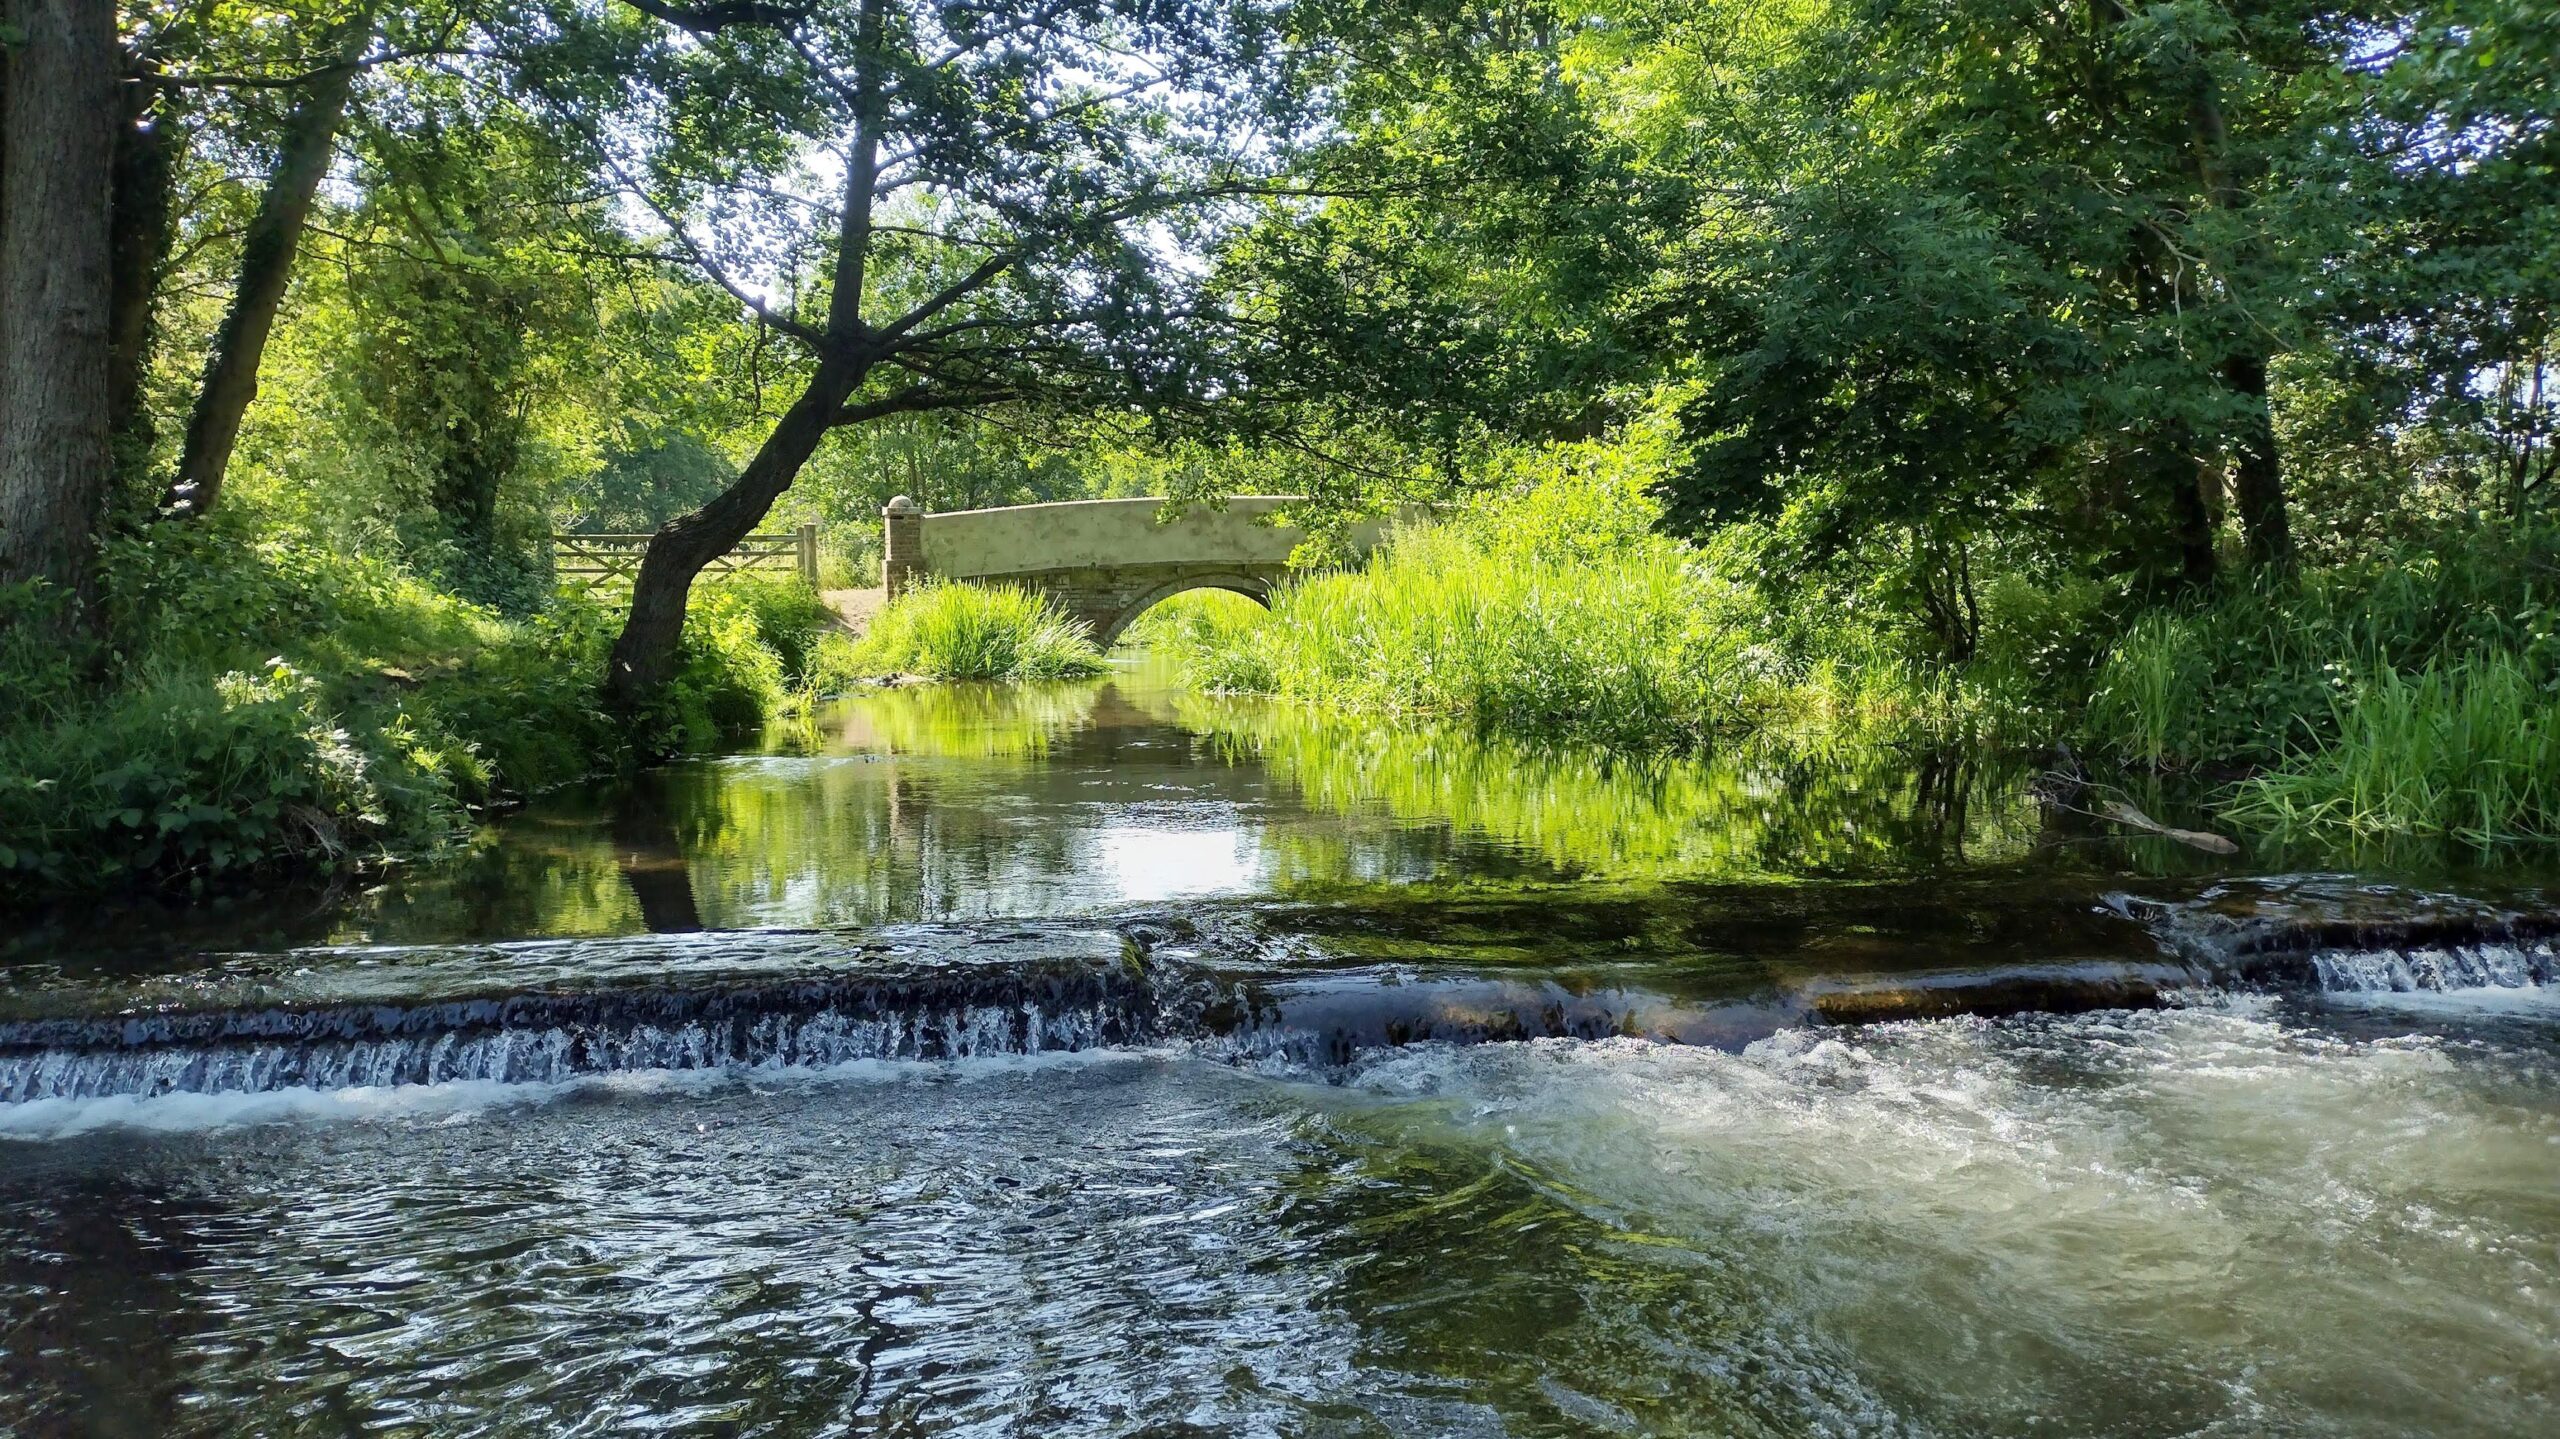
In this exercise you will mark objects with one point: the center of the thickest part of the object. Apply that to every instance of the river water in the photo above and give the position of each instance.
(1097, 1059)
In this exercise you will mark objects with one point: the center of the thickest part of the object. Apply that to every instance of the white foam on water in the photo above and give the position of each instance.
(2203, 1211)
(43, 1119)
(552, 1054)
(460, 1100)
(2475, 980)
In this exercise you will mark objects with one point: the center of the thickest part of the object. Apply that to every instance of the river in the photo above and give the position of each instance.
(1102, 1059)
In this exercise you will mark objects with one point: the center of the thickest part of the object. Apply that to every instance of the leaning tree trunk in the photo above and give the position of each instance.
(266, 263)
(644, 657)
(57, 126)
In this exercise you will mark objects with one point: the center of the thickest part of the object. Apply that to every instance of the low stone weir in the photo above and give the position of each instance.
(2331, 936)
(550, 1036)
(1156, 988)
(1223, 990)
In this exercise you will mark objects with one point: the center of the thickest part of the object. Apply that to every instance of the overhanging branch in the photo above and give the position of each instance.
(916, 399)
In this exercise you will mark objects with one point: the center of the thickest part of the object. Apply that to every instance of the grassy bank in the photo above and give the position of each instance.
(2412, 693)
(273, 705)
(1557, 613)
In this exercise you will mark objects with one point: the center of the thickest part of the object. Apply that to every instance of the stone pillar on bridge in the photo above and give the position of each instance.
(902, 545)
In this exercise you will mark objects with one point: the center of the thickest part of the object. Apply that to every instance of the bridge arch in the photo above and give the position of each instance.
(1104, 561)
(1252, 588)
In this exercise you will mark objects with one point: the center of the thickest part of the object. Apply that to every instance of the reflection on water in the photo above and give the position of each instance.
(960, 802)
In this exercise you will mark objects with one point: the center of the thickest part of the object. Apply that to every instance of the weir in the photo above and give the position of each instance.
(1230, 991)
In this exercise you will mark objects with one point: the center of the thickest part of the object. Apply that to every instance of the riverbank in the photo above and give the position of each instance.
(279, 707)
(2410, 694)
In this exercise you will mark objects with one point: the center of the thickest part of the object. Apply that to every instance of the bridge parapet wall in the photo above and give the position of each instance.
(1104, 561)
(1027, 539)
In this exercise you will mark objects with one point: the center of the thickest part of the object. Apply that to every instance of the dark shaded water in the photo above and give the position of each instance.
(1101, 1060)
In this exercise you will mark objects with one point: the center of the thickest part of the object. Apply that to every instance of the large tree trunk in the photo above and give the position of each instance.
(57, 126)
(266, 263)
(644, 657)
(2257, 480)
(140, 210)
(2257, 470)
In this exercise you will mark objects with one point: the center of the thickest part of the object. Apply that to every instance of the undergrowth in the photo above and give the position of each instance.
(1553, 611)
(271, 704)
(2415, 693)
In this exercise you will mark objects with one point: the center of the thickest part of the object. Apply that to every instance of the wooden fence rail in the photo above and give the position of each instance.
(596, 561)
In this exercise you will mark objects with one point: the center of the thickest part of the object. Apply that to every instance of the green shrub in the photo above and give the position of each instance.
(186, 775)
(40, 672)
(975, 632)
(273, 703)
(728, 681)
(2409, 694)
(789, 616)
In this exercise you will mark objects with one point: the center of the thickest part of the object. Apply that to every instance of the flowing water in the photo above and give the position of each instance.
(1100, 1060)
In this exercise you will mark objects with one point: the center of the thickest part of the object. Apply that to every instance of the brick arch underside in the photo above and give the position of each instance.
(1110, 599)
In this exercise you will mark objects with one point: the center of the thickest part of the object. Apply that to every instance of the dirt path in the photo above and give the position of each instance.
(854, 608)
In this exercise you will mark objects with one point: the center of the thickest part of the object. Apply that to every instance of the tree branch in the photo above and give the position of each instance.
(916, 399)
(978, 279)
(719, 15)
(286, 82)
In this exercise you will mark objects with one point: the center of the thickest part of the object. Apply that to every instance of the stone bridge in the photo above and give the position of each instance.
(1104, 561)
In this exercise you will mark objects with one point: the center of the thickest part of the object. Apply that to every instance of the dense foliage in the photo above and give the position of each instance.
(2174, 378)
(279, 705)
(1555, 609)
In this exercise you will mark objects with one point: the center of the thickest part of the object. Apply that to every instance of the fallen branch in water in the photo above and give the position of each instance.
(2126, 815)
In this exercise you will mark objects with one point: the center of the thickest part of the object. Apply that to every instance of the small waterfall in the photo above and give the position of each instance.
(1304, 1022)
(2333, 935)
(550, 1037)
(2434, 971)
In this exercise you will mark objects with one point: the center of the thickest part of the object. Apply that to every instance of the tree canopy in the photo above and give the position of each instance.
(2145, 293)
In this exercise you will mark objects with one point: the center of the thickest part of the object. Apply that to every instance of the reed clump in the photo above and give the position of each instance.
(954, 631)
(2414, 694)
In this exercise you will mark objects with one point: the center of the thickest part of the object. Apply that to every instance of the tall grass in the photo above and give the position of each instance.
(2470, 751)
(1548, 616)
(2414, 694)
(1634, 648)
(954, 631)
(2258, 672)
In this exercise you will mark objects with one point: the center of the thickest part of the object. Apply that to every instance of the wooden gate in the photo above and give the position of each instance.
(602, 561)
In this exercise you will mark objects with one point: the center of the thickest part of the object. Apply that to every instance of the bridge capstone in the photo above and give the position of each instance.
(1103, 561)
